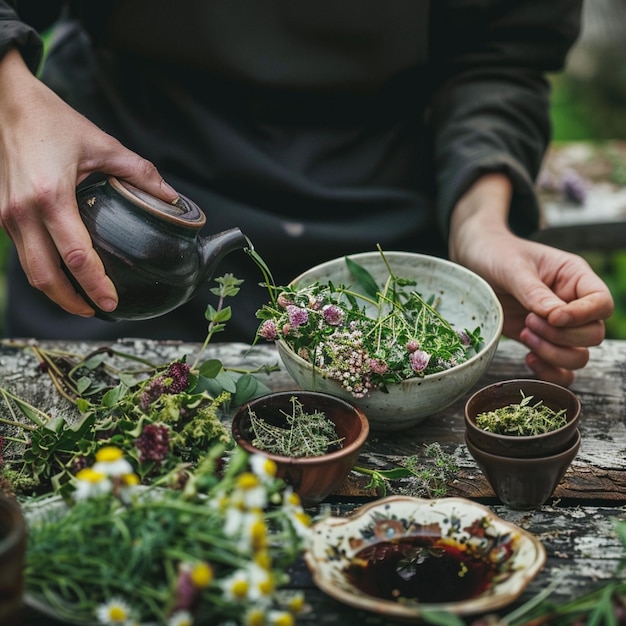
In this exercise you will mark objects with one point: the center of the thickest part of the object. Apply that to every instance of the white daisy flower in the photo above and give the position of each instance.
(249, 493)
(236, 587)
(110, 461)
(263, 467)
(114, 612)
(180, 618)
(90, 484)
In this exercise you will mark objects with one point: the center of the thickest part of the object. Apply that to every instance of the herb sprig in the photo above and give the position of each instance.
(522, 418)
(303, 434)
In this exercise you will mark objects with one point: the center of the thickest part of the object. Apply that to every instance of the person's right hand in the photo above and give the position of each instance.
(46, 150)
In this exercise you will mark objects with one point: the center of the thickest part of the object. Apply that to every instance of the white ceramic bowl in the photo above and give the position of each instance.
(467, 301)
(515, 555)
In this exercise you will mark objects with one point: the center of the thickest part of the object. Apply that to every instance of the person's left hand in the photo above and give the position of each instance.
(553, 301)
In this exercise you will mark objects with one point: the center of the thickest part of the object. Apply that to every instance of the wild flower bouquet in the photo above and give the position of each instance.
(368, 336)
(212, 551)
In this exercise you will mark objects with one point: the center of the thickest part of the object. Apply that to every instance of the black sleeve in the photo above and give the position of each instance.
(491, 106)
(21, 21)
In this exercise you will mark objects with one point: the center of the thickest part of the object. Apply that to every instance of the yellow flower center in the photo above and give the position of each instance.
(240, 589)
(258, 534)
(303, 518)
(284, 619)
(91, 476)
(263, 559)
(294, 499)
(255, 617)
(267, 586)
(201, 575)
(270, 467)
(108, 454)
(247, 480)
(296, 603)
(117, 614)
(130, 479)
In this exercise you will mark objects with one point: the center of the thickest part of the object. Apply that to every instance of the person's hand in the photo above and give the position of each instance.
(553, 301)
(46, 150)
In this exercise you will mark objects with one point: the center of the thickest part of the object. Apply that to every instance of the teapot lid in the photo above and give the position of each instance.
(182, 211)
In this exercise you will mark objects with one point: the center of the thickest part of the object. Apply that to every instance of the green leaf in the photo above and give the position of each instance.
(224, 315)
(248, 388)
(364, 278)
(210, 368)
(82, 384)
(226, 381)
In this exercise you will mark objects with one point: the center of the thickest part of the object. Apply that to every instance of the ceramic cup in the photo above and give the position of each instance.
(524, 483)
(312, 477)
(508, 392)
(12, 551)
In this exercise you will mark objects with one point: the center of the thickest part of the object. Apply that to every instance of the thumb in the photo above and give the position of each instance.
(124, 163)
(536, 297)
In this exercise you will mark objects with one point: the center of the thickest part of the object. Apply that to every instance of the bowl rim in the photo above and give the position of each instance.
(304, 460)
(487, 601)
(571, 421)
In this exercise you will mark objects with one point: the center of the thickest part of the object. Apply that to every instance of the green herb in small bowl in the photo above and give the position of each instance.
(522, 418)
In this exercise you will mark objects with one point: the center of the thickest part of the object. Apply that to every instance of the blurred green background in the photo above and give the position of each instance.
(588, 104)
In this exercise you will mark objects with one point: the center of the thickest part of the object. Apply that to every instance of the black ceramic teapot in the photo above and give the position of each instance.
(151, 250)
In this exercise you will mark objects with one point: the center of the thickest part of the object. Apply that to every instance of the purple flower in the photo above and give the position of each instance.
(154, 443)
(332, 314)
(152, 392)
(297, 316)
(186, 591)
(419, 360)
(464, 337)
(574, 187)
(268, 330)
(412, 345)
(177, 376)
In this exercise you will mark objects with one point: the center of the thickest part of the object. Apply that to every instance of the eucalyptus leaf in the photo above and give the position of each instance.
(210, 368)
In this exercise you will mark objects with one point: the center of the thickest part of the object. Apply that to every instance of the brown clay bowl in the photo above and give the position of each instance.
(524, 483)
(507, 392)
(313, 478)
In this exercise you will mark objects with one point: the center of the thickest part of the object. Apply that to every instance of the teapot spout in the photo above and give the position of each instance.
(215, 247)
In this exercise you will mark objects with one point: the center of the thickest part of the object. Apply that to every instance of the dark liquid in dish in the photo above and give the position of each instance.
(418, 569)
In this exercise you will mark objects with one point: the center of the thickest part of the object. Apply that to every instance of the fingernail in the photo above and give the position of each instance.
(167, 188)
(107, 304)
(550, 303)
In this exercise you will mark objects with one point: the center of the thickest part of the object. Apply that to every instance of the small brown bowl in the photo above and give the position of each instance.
(524, 484)
(507, 392)
(313, 478)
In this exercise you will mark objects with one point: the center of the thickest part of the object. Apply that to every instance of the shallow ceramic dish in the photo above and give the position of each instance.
(467, 301)
(508, 392)
(312, 477)
(443, 528)
(524, 483)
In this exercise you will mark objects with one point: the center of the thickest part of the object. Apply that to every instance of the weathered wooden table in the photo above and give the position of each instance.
(576, 525)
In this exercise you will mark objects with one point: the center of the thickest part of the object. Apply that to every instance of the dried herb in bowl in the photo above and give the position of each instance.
(299, 434)
(522, 419)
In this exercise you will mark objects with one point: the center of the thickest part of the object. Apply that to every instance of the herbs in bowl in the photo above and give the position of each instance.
(401, 335)
(313, 438)
(522, 418)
